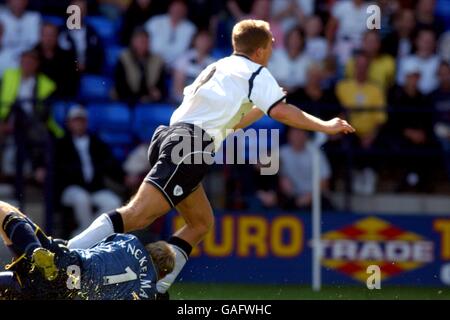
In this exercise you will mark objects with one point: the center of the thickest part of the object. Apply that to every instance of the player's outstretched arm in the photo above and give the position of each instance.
(254, 115)
(294, 117)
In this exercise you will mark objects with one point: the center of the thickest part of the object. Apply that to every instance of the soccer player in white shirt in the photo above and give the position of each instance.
(231, 93)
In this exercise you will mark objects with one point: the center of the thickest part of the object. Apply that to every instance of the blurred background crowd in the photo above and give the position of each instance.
(78, 107)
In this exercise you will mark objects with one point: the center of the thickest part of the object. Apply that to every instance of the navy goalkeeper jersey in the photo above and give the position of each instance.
(119, 267)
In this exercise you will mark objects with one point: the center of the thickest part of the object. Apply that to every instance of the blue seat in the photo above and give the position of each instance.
(115, 117)
(119, 142)
(105, 28)
(112, 56)
(57, 21)
(59, 111)
(94, 87)
(112, 123)
(147, 117)
(219, 53)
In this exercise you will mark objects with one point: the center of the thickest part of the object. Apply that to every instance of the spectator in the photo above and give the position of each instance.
(58, 64)
(171, 33)
(399, 43)
(23, 93)
(85, 42)
(138, 12)
(296, 166)
(426, 17)
(21, 27)
(136, 167)
(139, 73)
(205, 14)
(261, 10)
(346, 27)
(381, 66)
(291, 12)
(82, 164)
(441, 103)
(411, 124)
(289, 65)
(361, 93)
(313, 98)
(388, 8)
(316, 46)
(425, 59)
(265, 187)
(190, 64)
(8, 58)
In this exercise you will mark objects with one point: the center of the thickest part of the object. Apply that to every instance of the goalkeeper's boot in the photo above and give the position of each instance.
(44, 260)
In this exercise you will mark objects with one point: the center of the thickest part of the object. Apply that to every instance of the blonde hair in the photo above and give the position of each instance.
(163, 257)
(250, 35)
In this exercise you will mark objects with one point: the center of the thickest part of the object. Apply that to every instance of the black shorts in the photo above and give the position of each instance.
(179, 156)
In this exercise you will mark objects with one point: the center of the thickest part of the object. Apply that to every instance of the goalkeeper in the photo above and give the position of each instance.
(118, 267)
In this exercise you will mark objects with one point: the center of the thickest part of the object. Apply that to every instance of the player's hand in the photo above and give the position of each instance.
(337, 125)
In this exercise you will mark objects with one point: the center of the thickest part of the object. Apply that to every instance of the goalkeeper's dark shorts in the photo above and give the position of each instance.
(31, 281)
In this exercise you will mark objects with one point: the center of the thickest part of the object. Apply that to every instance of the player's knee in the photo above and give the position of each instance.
(205, 224)
(6, 208)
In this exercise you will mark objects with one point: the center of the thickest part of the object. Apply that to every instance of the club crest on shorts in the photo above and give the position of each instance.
(177, 191)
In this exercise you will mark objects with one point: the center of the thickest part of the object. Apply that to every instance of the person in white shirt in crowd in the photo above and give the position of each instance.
(346, 27)
(84, 42)
(171, 33)
(82, 163)
(21, 28)
(316, 46)
(8, 58)
(291, 12)
(426, 60)
(190, 64)
(290, 64)
(296, 167)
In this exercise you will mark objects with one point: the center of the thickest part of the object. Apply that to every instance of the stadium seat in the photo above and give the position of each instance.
(112, 56)
(147, 117)
(59, 111)
(443, 10)
(219, 53)
(57, 21)
(109, 116)
(94, 87)
(106, 29)
(112, 123)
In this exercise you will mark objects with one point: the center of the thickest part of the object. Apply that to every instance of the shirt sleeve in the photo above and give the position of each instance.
(264, 91)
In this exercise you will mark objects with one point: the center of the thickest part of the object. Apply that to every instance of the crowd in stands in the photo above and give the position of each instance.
(134, 57)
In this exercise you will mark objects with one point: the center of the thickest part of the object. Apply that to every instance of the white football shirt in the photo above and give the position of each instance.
(226, 91)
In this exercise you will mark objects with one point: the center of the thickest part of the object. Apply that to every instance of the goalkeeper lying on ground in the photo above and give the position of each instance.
(119, 267)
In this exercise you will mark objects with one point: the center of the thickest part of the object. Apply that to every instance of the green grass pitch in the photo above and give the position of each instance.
(200, 291)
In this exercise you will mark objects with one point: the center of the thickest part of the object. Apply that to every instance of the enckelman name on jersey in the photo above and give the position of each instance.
(142, 258)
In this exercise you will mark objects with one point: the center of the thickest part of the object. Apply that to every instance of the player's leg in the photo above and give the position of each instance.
(14, 229)
(198, 215)
(145, 207)
(20, 235)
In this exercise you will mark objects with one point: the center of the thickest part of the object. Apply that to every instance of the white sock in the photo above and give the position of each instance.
(101, 228)
(180, 260)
